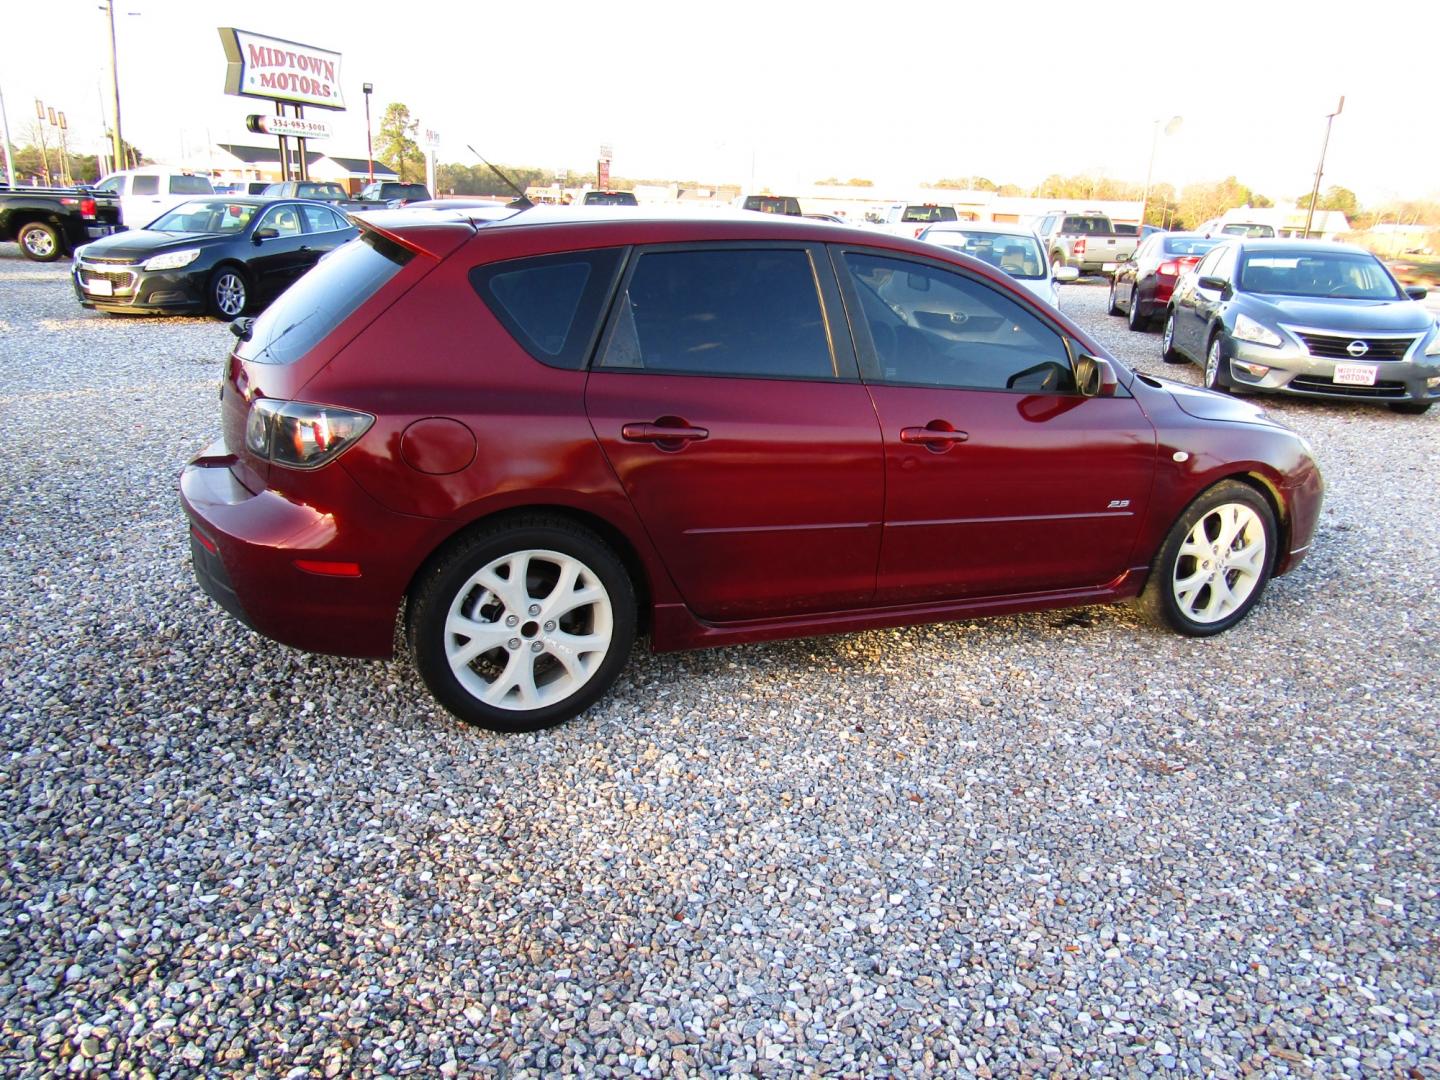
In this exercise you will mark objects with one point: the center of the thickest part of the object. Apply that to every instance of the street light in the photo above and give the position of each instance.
(1315, 191)
(118, 143)
(369, 150)
(1172, 126)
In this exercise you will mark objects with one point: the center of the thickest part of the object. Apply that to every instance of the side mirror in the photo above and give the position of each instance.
(1067, 273)
(1416, 292)
(265, 234)
(1094, 376)
(1214, 284)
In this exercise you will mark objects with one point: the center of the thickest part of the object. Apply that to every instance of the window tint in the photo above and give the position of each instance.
(322, 299)
(723, 312)
(318, 219)
(550, 304)
(145, 185)
(190, 185)
(934, 327)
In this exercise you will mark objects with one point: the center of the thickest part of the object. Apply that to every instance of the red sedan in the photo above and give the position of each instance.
(531, 439)
(1142, 286)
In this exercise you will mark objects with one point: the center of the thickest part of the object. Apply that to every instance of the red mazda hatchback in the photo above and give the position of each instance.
(531, 439)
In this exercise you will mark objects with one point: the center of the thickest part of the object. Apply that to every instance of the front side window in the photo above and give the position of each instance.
(285, 220)
(723, 311)
(934, 327)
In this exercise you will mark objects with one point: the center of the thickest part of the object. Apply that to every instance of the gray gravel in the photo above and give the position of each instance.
(1064, 844)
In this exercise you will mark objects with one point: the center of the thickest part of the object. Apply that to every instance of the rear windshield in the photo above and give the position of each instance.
(610, 198)
(773, 204)
(1086, 226)
(322, 299)
(1188, 245)
(1259, 231)
(923, 214)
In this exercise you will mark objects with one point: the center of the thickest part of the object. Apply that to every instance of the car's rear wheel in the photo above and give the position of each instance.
(1410, 408)
(229, 293)
(1114, 306)
(1215, 562)
(1216, 374)
(1168, 352)
(40, 242)
(523, 625)
(1137, 322)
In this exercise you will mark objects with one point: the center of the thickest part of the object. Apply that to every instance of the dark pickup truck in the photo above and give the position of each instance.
(50, 222)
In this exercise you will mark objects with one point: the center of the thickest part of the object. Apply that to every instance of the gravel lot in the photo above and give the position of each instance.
(1063, 844)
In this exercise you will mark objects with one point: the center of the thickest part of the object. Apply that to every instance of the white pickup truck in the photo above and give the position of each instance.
(902, 219)
(1086, 241)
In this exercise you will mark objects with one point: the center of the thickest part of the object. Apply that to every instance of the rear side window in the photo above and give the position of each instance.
(722, 312)
(145, 185)
(322, 299)
(190, 185)
(550, 304)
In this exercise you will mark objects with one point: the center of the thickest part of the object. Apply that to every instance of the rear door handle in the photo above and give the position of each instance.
(934, 437)
(663, 433)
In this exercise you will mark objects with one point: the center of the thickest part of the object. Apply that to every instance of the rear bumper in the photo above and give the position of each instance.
(325, 575)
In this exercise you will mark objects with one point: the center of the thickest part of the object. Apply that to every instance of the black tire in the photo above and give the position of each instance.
(1217, 365)
(1137, 322)
(1410, 408)
(228, 292)
(1172, 566)
(40, 242)
(1114, 307)
(1168, 352)
(449, 587)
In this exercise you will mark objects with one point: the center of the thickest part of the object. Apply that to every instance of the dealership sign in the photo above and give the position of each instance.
(266, 67)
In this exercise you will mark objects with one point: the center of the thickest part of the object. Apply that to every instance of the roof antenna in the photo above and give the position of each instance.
(522, 201)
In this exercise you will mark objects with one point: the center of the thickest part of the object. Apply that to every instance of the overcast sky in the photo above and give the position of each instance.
(897, 93)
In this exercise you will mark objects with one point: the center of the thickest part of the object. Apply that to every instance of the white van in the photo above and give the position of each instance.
(149, 191)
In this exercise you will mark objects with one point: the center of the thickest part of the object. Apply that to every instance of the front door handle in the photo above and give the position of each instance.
(674, 432)
(938, 436)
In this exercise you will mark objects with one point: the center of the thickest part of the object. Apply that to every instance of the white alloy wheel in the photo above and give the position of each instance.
(1221, 562)
(1213, 360)
(228, 294)
(528, 630)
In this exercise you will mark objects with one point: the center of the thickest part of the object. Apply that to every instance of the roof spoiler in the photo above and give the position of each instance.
(433, 233)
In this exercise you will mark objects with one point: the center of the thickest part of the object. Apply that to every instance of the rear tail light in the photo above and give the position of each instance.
(1187, 261)
(87, 208)
(299, 435)
(1168, 268)
(1080, 248)
(919, 231)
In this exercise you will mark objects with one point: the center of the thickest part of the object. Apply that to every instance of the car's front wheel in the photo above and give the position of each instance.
(40, 242)
(1215, 562)
(523, 625)
(1216, 365)
(229, 293)
(1136, 321)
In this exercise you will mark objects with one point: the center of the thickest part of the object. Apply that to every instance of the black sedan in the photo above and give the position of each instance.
(1305, 317)
(221, 255)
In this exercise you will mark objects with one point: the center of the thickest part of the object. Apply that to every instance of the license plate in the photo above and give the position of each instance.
(99, 286)
(1109, 268)
(1355, 374)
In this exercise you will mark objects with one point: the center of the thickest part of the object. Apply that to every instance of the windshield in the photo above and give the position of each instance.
(1018, 254)
(1338, 274)
(207, 216)
(322, 299)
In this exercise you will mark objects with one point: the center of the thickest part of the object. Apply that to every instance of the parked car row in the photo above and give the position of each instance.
(1304, 317)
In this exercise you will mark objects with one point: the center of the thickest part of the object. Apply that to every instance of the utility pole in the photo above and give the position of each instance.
(9, 149)
(1320, 169)
(1170, 128)
(119, 143)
